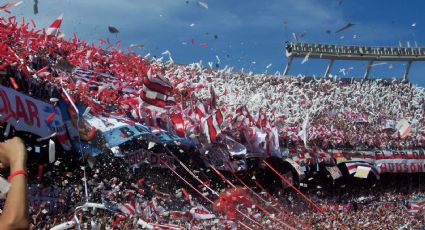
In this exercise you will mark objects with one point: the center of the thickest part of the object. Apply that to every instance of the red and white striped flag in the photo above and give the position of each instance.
(200, 110)
(157, 91)
(127, 208)
(181, 215)
(148, 115)
(211, 126)
(415, 207)
(53, 29)
(241, 118)
(201, 213)
(352, 167)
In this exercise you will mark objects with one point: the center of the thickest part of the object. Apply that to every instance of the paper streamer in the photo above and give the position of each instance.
(14, 84)
(70, 100)
(87, 111)
(94, 205)
(151, 145)
(40, 172)
(50, 118)
(46, 138)
(52, 151)
(64, 226)
(7, 130)
(186, 194)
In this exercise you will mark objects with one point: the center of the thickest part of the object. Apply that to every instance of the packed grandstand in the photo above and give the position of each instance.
(118, 141)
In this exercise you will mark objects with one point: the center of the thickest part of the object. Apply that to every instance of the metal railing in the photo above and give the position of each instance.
(355, 52)
(358, 53)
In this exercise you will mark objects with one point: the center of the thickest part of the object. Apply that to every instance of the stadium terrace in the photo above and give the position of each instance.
(123, 115)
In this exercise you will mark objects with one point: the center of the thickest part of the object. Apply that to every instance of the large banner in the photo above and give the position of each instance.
(401, 165)
(28, 114)
(379, 154)
(386, 161)
(153, 159)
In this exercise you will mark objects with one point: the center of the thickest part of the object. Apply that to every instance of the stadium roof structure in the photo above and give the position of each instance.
(358, 53)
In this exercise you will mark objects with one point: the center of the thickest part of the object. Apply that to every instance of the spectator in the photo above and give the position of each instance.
(15, 212)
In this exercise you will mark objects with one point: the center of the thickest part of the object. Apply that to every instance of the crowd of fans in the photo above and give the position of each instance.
(154, 198)
(372, 208)
(338, 114)
(341, 114)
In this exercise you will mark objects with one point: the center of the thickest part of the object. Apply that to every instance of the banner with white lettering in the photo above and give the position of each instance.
(401, 165)
(343, 156)
(28, 114)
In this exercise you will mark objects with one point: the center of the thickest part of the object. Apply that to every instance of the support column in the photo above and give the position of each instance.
(329, 68)
(288, 66)
(406, 72)
(369, 66)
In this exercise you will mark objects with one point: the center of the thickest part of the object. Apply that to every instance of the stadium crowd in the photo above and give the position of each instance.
(373, 208)
(154, 198)
(336, 114)
(341, 114)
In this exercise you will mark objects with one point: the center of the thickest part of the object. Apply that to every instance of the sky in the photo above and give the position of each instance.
(248, 35)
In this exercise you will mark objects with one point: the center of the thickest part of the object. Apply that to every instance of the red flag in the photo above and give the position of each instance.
(54, 27)
(186, 194)
(14, 84)
(178, 124)
(40, 172)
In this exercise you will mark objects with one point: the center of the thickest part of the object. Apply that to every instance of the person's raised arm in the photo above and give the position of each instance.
(15, 211)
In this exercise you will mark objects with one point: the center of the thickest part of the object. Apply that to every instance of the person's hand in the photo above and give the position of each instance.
(13, 154)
